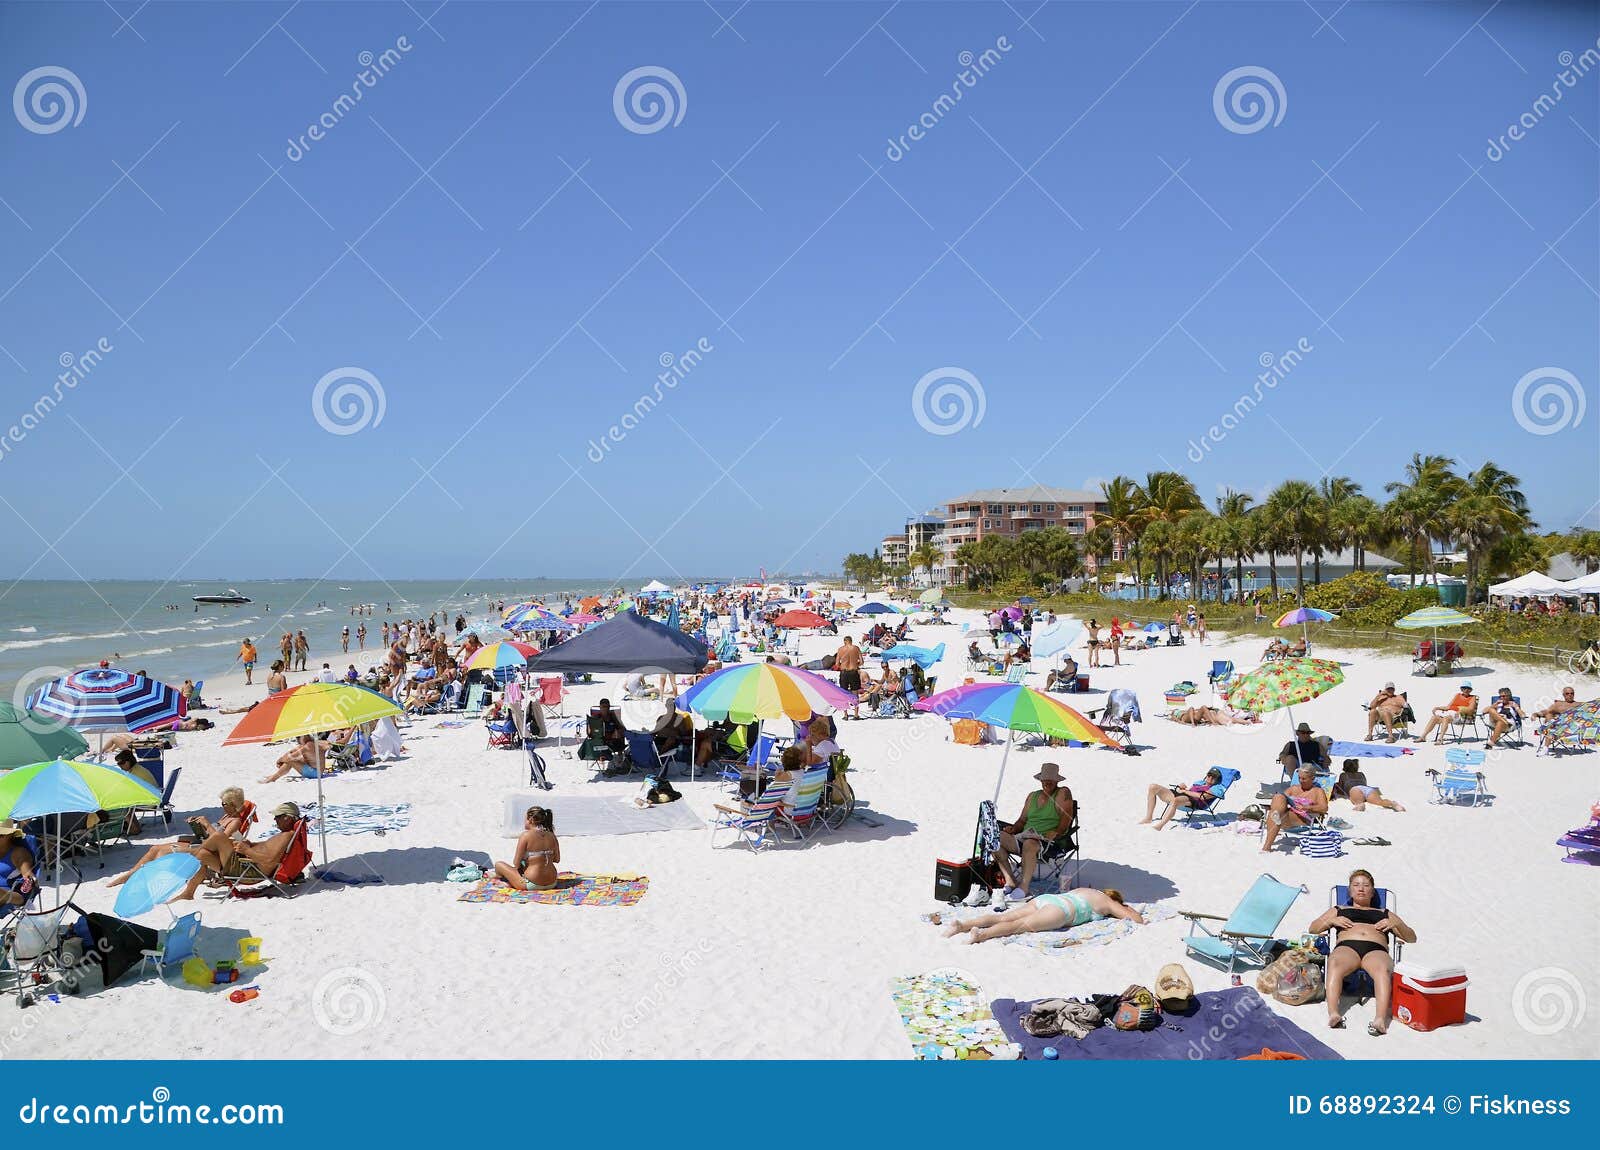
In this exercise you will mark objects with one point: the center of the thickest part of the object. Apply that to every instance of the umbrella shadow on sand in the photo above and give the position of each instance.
(1135, 883)
(409, 866)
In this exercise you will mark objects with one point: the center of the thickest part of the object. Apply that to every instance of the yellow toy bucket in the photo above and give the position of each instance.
(249, 952)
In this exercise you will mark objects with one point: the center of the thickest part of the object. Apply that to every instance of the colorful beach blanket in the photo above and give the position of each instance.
(1096, 933)
(452, 724)
(358, 818)
(571, 889)
(1342, 750)
(946, 1016)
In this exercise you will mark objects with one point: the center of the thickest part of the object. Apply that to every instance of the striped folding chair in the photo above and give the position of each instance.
(802, 818)
(1461, 782)
(751, 822)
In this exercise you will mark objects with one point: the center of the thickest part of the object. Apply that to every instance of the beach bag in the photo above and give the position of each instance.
(1137, 1009)
(1322, 843)
(1299, 980)
(1252, 813)
(969, 732)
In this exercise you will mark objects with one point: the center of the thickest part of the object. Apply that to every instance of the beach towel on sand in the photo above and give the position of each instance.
(1342, 750)
(945, 1016)
(1221, 1025)
(571, 889)
(359, 818)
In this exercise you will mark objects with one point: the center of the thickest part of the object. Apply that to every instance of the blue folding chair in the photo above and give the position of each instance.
(1461, 782)
(1359, 983)
(1209, 812)
(1244, 934)
(1221, 671)
(176, 946)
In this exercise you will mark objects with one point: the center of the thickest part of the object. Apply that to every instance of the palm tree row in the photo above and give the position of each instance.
(1163, 520)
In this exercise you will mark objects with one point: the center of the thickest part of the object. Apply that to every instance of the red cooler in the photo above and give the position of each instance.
(1428, 997)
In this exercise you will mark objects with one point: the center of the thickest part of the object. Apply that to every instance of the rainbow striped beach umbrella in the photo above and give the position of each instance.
(499, 656)
(1302, 616)
(1015, 708)
(747, 692)
(310, 709)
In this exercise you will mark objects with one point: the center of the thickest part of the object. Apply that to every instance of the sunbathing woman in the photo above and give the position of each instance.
(538, 851)
(1363, 944)
(236, 817)
(1212, 717)
(302, 754)
(1198, 796)
(1048, 912)
(1352, 784)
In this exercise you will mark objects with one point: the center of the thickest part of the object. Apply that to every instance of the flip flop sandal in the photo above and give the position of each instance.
(1372, 1029)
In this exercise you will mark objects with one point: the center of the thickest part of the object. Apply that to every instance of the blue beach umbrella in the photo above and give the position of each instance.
(876, 609)
(154, 883)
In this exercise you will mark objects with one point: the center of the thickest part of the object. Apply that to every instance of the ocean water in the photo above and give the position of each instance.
(49, 627)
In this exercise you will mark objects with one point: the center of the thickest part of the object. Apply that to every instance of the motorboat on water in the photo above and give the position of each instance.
(231, 599)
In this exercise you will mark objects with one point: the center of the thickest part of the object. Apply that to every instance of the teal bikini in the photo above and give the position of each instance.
(1073, 905)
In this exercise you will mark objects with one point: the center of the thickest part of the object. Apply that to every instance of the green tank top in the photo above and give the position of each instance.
(1041, 819)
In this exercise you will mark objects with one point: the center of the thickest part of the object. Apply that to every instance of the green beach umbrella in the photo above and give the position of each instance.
(30, 737)
(65, 787)
(1432, 618)
(1283, 684)
(932, 595)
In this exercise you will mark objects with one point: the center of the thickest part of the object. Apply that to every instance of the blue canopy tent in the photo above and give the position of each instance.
(626, 642)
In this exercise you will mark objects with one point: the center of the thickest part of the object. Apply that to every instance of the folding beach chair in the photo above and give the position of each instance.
(551, 694)
(643, 755)
(1221, 671)
(1582, 844)
(1463, 721)
(1515, 729)
(801, 819)
(1359, 982)
(1244, 934)
(1054, 856)
(162, 809)
(252, 881)
(475, 697)
(1461, 782)
(751, 822)
(1017, 674)
(176, 945)
(1209, 811)
(1118, 716)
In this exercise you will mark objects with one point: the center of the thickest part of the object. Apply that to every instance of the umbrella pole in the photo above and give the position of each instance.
(1006, 754)
(322, 810)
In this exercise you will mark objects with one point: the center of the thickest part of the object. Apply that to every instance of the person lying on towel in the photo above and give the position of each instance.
(1048, 912)
(533, 867)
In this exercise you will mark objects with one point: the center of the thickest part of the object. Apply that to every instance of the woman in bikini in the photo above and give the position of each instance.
(1094, 642)
(1363, 930)
(538, 852)
(1048, 912)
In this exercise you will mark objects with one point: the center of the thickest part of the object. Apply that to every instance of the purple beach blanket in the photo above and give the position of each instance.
(1223, 1025)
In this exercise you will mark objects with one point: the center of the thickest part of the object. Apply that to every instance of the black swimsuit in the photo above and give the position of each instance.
(1365, 916)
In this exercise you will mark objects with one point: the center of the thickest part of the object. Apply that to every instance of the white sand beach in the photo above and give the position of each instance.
(790, 953)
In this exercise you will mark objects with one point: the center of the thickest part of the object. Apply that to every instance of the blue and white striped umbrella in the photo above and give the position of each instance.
(109, 699)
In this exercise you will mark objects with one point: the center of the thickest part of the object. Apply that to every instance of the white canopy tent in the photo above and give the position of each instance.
(1583, 585)
(1532, 583)
(654, 587)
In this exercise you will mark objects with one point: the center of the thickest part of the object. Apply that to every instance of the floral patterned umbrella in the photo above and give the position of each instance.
(1283, 684)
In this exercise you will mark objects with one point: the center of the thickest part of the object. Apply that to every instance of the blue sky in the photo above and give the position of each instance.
(1082, 234)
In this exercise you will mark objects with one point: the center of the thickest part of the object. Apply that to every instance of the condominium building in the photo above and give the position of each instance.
(1012, 511)
(893, 550)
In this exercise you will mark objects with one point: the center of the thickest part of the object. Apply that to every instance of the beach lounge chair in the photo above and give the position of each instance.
(1461, 781)
(1017, 674)
(1118, 716)
(475, 697)
(176, 945)
(801, 819)
(1515, 729)
(1582, 844)
(252, 881)
(162, 809)
(1209, 811)
(752, 821)
(1221, 671)
(1244, 934)
(1359, 983)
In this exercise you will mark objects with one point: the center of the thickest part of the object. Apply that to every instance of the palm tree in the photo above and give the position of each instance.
(1099, 541)
(1124, 517)
(1489, 508)
(1160, 539)
(1333, 492)
(1233, 525)
(1584, 546)
(926, 556)
(1195, 544)
(1420, 507)
(1168, 497)
(1293, 506)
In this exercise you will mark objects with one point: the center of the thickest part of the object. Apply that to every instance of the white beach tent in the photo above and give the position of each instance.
(655, 587)
(1583, 585)
(1532, 583)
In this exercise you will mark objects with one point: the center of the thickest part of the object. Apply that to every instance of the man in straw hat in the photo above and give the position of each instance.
(17, 862)
(1046, 815)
